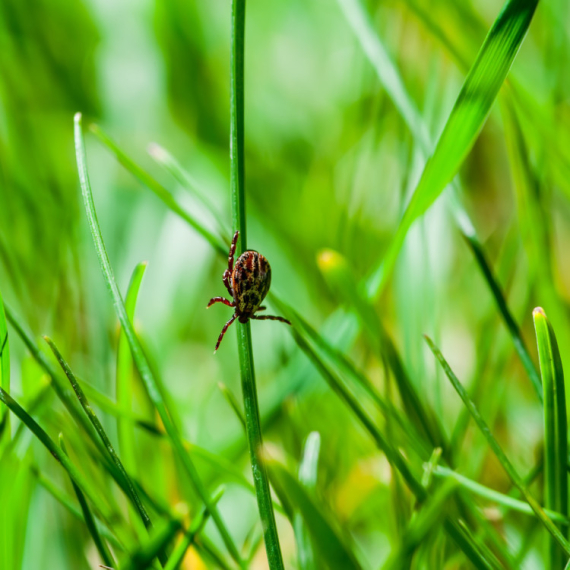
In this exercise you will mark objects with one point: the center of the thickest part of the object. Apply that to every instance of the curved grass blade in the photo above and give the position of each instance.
(327, 539)
(496, 497)
(515, 478)
(245, 350)
(102, 548)
(124, 374)
(158, 189)
(178, 554)
(4, 370)
(555, 427)
(468, 116)
(139, 357)
(131, 491)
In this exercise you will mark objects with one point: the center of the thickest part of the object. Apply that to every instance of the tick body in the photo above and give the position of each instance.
(248, 283)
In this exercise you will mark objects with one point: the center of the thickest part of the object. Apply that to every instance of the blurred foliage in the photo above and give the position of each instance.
(330, 166)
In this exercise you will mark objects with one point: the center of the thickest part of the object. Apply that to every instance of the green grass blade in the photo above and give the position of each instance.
(516, 479)
(4, 370)
(555, 427)
(139, 357)
(158, 541)
(160, 191)
(308, 479)
(124, 388)
(245, 351)
(327, 539)
(468, 116)
(179, 552)
(68, 503)
(131, 491)
(501, 302)
(54, 449)
(496, 497)
(102, 548)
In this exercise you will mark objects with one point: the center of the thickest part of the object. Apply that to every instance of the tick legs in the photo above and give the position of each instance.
(228, 272)
(234, 317)
(219, 300)
(270, 318)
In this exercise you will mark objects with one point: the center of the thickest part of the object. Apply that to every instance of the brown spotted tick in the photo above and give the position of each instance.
(247, 282)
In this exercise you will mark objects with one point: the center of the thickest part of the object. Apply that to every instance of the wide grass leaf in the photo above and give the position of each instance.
(467, 117)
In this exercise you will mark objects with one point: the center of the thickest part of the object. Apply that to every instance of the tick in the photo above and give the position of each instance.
(247, 283)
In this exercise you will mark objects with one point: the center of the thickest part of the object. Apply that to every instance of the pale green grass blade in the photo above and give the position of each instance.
(308, 470)
(124, 388)
(555, 427)
(139, 357)
(102, 548)
(330, 542)
(112, 454)
(468, 116)
(158, 189)
(67, 502)
(496, 497)
(515, 478)
(245, 350)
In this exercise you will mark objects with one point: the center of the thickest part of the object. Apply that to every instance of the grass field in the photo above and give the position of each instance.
(405, 169)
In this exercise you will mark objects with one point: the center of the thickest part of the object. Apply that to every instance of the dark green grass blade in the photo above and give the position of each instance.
(100, 544)
(510, 322)
(158, 541)
(555, 427)
(124, 388)
(4, 370)
(160, 191)
(139, 357)
(468, 116)
(329, 541)
(197, 525)
(54, 449)
(498, 451)
(131, 491)
(245, 351)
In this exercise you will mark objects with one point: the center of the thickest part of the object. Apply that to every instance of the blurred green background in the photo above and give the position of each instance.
(330, 164)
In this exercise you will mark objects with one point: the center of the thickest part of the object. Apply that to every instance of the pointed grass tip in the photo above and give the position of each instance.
(538, 311)
(77, 118)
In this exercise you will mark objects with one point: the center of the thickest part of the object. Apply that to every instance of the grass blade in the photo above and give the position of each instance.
(158, 189)
(139, 357)
(177, 556)
(328, 540)
(102, 548)
(131, 491)
(516, 479)
(4, 370)
(54, 449)
(495, 496)
(245, 351)
(468, 116)
(124, 374)
(555, 427)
